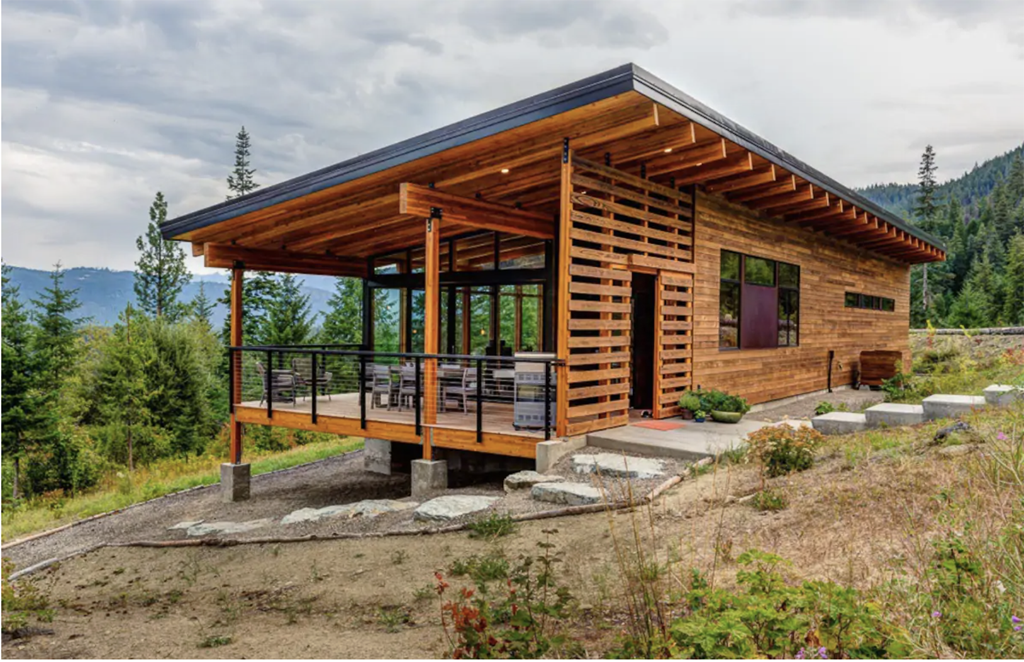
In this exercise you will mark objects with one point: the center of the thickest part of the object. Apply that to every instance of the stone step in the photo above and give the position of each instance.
(894, 415)
(570, 494)
(1003, 395)
(839, 422)
(951, 406)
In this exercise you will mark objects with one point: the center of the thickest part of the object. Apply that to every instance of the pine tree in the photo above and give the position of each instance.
(202, 307)
(55, 340)
(1013, 282)
(19, 393)
(161, 273)
(970, 309)
(343, 322)
(1015, 181)
(288, 315)
(240, 181)
(385, 320)
(259, 289)
(924, 209)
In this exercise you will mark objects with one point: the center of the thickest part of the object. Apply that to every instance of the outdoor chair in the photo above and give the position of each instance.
(302, 368)
(280, 387)
(383, 389)
(407, 387)
(462, 391)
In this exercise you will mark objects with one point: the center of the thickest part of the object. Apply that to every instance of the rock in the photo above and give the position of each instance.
(448, 507)
(522, 480)
(956, 451)
(619, 466)
(366, 508)
(570, 494)
(959, 426)
(207, 528)
(185, 525)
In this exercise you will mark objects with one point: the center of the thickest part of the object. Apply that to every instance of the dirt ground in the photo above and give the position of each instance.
(803, 408)
(340, 598)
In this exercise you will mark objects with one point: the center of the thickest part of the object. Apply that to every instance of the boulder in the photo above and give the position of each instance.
(366, 508)
(445, 508)
(523, 480)
(570, 494)
(618, 466)
(227, 528)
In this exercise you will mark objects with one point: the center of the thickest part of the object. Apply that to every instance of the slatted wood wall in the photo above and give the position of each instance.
(673, 349)
(613, 222)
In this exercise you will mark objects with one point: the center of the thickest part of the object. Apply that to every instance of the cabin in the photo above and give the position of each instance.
(557, 266)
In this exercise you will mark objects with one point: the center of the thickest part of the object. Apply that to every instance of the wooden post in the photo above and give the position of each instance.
(431, 321)
(236, 364)
(562, 326)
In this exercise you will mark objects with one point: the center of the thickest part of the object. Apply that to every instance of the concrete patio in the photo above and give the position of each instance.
(692, 441)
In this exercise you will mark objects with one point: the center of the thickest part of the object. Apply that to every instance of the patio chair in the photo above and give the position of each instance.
(407, 386)
(462, 391)
(281, 387)
(302, 368)
(383, 389)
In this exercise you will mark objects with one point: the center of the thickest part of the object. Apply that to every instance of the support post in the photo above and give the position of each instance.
(234, 476)
(431, 319)
(562, 325)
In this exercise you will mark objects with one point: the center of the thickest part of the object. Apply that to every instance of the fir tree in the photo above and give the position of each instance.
(19, 403)
(55, 340)
(202, 307)
(259, 290)
(288, 315)
(343, 322)
(161, 273)
(1013, 282)
(240, 181)
(925, 206)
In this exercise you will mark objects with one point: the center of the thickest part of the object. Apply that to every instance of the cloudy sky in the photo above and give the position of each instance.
(105, 102)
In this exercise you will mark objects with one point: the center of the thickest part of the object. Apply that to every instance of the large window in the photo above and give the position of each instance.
(759, 302)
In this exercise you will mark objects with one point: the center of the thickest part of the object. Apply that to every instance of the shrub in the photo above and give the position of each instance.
(770, 500)
(690, 400)
(713, 400)
(782, 449)
(824, 408)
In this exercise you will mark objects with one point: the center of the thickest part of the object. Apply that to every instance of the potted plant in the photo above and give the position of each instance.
(689, 403)
(724, 407)
(700, 415)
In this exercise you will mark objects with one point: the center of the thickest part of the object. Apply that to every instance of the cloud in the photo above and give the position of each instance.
(104, 103)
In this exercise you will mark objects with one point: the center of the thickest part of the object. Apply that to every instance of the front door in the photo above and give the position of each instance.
(642, 354)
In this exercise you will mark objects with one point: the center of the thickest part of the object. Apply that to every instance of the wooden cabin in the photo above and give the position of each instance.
(614, 234)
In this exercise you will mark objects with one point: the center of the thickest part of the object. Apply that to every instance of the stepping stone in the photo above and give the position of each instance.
(367, 508)
(570, 494)
(839, 422)
(449, 507)
(207, 528)
(185, 525)
(894, 415)
(951, 406)
(522, 480)
(1003, 395)
(618, 466)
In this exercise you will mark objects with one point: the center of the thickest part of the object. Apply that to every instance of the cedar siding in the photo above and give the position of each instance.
(828, 269)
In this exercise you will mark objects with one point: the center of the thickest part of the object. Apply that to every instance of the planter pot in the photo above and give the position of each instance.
(726, 416)
(699, 420)
(686, 414)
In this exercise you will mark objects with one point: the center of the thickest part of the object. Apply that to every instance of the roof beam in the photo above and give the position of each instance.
(820, 200)
(760, 176)
(733, 165)
(416, 200)
(692, 157)
(226, 256)
(785, 183)
(803, 192)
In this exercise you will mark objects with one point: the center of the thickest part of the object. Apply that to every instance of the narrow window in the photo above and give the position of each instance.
(729, 301)
(789, 304)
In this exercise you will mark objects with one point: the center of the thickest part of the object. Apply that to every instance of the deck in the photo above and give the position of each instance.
(340, 414)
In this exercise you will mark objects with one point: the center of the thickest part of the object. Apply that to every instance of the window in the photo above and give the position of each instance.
(869, 302)
(759, 302)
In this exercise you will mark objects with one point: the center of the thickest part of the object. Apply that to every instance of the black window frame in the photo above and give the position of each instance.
(860, 301)
(784, 293)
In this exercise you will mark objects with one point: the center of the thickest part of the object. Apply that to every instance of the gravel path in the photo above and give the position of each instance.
(855, 401)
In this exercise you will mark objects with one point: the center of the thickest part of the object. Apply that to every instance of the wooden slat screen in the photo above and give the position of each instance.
(673, 351)
(612, 222)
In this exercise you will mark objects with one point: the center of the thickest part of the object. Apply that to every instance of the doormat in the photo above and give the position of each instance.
(664, 426)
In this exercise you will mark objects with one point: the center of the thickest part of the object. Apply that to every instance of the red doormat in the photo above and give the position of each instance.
(664, 426)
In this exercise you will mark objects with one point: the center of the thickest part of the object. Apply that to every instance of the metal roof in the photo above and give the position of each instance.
(626, 78)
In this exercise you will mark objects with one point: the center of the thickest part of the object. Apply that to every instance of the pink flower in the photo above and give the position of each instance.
(1001, 436)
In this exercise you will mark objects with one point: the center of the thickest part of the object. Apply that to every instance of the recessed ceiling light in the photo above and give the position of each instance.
(504, 171)
(668, 149)
(700, 164)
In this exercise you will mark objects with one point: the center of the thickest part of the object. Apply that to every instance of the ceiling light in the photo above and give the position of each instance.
(700, 164)
(504, 171)
(668, 149)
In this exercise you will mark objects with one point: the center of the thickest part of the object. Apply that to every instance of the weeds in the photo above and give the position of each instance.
(782, 449)
(399, 556)
(214, 641)
(392, 618)
(770, 500)
(22, 603)
(495, 525)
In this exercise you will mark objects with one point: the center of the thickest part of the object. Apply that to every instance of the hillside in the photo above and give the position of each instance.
(104, 293)
(969, 187)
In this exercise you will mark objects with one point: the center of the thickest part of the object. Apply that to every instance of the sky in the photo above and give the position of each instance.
(106, 102)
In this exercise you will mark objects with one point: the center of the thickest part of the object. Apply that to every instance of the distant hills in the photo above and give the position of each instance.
(970, 187)
(104, 293)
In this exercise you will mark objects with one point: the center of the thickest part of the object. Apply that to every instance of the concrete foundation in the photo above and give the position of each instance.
(428, 477)
(234, 482)
(550, 452)
(1002, 395)
(951, 406)
(894, 415)
(839, 422)
(377, 456)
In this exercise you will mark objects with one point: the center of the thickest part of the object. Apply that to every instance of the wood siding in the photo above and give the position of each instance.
(828, 269)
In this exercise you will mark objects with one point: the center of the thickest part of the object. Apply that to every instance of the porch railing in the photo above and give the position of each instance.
(516, 391)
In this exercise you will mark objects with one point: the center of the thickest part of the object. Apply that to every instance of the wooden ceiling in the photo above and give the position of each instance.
(515, 174)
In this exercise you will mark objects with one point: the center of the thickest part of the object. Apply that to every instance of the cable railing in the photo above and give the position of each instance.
(492, 393)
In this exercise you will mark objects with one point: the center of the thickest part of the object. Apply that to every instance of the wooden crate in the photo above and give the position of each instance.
(878, 365)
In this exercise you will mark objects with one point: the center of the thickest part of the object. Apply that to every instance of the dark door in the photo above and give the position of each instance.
(759, 324)
(642, 377)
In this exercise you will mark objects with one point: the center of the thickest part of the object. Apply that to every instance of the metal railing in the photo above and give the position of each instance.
(516, 391)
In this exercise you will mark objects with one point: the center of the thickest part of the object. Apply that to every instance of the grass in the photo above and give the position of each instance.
(164, 477)
(496, 525)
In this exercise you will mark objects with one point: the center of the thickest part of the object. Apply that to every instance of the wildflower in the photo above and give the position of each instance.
(823, 653)
(801, 654)
(1001, 436)
(936, 614)
(1016, 624)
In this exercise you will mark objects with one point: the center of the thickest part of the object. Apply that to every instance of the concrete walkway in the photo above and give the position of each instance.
(694, 441)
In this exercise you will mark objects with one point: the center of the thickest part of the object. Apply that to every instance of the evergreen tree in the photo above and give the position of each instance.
(385, 320)
(19, 391)
(343, 322)
(202, 307)
(925, 206)
(55, 340)
(240, 181)
(288, 316)
(1013, 282)
(1015, 180)
(259, 290)
(160, 273)
(970, 309)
